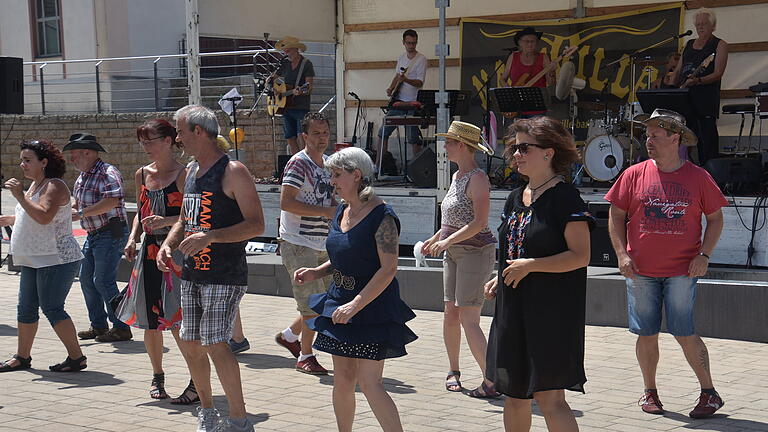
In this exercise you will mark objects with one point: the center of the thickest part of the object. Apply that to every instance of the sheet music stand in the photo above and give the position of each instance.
(678, 100)
(458, 102)
(515, 99)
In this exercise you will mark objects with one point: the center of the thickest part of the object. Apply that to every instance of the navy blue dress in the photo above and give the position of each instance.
(378, 331)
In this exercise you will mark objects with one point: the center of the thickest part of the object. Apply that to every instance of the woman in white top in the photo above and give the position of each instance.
(43, 246)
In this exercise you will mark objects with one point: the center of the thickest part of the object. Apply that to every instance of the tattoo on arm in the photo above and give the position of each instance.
(387, 238)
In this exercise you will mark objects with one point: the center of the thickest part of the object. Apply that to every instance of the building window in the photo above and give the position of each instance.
(48, 28)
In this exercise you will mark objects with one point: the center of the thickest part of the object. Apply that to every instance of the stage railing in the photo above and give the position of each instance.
(155, 82)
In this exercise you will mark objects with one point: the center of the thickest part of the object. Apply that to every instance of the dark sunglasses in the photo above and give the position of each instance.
(523, 147)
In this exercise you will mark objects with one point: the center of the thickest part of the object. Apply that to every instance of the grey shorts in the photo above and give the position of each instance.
(466, 269)
(295, 257)
(209, 311)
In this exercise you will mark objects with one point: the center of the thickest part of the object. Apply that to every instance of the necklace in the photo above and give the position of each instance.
(533, 190)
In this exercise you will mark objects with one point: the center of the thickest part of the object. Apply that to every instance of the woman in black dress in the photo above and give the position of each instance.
(536, 343)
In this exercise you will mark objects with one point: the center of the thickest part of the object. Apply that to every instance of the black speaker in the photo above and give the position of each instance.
(737, 174)
(602, 253)
(11, 86)
(423, 169)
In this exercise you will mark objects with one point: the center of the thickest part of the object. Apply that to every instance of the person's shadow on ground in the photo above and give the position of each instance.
(82, 379)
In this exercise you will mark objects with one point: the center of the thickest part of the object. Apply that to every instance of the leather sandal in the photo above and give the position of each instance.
(69, 365)
(23, 363)
(157, 388)
(484, 391)
(184, 398)
(452, 383)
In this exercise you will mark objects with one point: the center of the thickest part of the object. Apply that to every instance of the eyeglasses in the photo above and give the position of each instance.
(145, 142)
(523, 147)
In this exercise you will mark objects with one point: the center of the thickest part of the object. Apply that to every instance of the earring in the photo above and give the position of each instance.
(546, 157)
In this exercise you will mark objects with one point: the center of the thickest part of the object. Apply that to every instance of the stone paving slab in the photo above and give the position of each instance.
(112, 394)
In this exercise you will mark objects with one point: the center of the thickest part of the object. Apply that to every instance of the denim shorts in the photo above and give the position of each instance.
(292, 122)
(645, 297)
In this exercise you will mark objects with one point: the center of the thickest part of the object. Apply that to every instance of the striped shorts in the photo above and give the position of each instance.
(209, 311)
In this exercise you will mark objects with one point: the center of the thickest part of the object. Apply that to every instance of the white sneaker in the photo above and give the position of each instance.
(227, 425)
(207, 419)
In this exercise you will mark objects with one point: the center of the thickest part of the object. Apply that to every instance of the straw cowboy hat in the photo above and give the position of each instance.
(83, 141)
(671, 121)
(468, 134)
(290, 42)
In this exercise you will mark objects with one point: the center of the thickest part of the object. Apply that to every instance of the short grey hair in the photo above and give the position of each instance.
(196, 115)
(709, 13)
(354, 158)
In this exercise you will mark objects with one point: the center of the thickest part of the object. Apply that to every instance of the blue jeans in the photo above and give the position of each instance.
(45, 288)
(646, 296)
(98, 276)
(292, 122)
(412, 133)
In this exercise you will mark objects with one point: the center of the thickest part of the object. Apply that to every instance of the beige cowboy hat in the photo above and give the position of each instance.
(671, 121)
(290, 42)
(468, 134)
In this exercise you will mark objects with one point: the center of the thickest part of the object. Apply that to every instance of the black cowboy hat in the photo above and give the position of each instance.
(527, 31)
(83, 141)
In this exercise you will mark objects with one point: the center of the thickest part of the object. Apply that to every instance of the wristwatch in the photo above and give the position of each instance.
(80, 213)
(704, 255)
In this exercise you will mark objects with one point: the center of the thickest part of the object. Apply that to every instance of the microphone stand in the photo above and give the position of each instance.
(234, 121)
(632, 57)
(357, 118)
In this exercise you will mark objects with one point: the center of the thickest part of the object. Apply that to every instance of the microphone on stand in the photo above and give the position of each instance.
(688, 33)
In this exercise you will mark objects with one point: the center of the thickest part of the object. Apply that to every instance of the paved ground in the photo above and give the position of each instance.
(111, 395)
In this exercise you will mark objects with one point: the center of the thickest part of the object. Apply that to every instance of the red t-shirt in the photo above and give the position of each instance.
(664, 212)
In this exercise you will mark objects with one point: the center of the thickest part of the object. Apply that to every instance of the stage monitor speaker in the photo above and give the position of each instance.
(744, 170)
(423, 169)
(11, 86)
(602, 253)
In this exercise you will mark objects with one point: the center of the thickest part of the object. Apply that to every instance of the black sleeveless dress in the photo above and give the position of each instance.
(705, 100)
(207, 207)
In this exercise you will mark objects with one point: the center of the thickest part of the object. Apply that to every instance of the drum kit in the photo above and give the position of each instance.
(611, 145)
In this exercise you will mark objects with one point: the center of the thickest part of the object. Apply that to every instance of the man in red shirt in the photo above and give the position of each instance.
(655, 228)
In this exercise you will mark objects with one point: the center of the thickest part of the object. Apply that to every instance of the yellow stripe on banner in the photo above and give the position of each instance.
(675, 5)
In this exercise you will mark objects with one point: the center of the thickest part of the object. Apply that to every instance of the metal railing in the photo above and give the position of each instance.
(109, 88)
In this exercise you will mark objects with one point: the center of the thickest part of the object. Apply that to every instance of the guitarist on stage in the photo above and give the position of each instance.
(526, 63)
(705, 87)
(404, 88)
(297, 71)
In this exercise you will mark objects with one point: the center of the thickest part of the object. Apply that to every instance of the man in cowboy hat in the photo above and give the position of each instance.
(527, 62)
(100, 206)
(297, 71)
(655, 228)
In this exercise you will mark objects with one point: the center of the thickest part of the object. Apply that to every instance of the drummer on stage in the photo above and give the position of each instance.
(526, 63)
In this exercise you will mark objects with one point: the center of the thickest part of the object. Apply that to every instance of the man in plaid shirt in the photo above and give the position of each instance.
(100, 206)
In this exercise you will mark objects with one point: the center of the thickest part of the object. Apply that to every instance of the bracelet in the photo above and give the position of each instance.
(704, 255)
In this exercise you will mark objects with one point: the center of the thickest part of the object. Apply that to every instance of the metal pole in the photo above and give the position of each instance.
(98, 89)
(154, 81)
(42, 88)
(193, 52)
(442, 50)
(339, 73)
(580, 11)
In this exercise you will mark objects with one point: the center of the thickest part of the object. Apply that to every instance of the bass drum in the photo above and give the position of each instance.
(603, 158)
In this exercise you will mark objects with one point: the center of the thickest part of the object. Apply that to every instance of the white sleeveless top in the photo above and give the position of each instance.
(35, 245)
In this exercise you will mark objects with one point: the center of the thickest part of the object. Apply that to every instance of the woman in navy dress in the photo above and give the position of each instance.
(361, 318)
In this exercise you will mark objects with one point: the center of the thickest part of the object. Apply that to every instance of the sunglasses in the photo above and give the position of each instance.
(523, 147)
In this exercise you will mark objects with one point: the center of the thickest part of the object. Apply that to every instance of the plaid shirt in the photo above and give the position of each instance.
(101, 181)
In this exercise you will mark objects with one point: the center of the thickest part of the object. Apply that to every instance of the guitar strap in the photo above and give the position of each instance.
(301, 70)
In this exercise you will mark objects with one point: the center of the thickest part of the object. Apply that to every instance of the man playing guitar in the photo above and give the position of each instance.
(298, 73)
(527, 63)
(409, 78)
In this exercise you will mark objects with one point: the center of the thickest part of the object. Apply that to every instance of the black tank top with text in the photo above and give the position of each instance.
(207, 207)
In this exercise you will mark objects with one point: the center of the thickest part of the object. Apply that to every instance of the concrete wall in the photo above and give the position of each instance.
(117, 133)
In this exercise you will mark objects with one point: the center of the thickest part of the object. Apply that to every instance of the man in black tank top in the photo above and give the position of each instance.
(705, 87)
(221, 211)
